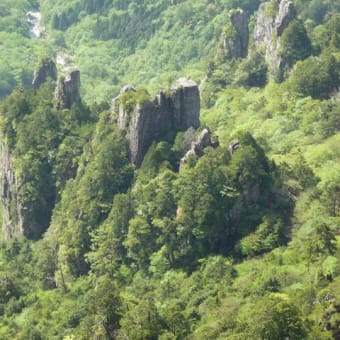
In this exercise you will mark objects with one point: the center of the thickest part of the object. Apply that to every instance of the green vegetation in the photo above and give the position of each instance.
(19, 53)
(271, 8)
(140, 43)
(317, 77)
(132, 98)
(234, 245)
(295, 43)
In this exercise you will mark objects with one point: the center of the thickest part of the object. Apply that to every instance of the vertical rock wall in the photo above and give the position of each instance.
(22, 217)
(68, 90)
(12, 212)
(46, 70)
(237, 45)
(268, 30)
(174, 110)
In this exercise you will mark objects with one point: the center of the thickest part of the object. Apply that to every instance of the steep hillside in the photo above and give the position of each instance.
(144, 43)
(200, 202)
(19, 52)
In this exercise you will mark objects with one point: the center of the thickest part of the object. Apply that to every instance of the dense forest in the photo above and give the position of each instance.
(200, 202)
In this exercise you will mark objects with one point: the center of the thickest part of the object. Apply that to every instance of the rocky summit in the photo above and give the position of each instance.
(46, 70)
(67, 90)
(175, 109)
(268, 31)
(236, 43)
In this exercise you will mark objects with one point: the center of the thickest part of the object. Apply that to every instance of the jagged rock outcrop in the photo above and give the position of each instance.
(46, 70)
(120, 109)
(285, 15)
(233, 146)
(68, 90)
(12, 211)
(189, 137)
(22, 214)
(174, 110)
(236, 38)
(204, 140)
(127, 88)
(268, 30)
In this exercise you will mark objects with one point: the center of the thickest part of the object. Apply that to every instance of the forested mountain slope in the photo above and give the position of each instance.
(206, 207)
(145, 43)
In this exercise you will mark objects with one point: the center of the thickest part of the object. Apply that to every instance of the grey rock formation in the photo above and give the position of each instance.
(67, 91)
(237, 44)
(233, 146)
(188, 138)
(148, 123)
(197, 147)
(46, 70)
(286, 14)
(22, 216)
(203, 141)
(174, 110)
(127, 88)
(12, 211)
(185, 104)
(116, 107)
(268, 31)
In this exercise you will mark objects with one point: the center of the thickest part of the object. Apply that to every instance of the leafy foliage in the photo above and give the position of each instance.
(316, 77)
(239, 243)
(295, 43)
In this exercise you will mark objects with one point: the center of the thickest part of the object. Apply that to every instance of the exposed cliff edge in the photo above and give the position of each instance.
(68, 90)
(46, 70)
(176, 109)
(269, 27)
(24, 213)
(12, 212)
(236, 35)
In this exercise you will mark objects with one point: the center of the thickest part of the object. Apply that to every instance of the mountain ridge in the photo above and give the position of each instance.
(230, 203)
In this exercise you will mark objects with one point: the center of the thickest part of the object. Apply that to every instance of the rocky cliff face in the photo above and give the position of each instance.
(67, 91)
(22, 216)
(268, 30)
(46, 70)
(174, 110)
(236, 39)
(12, 212)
